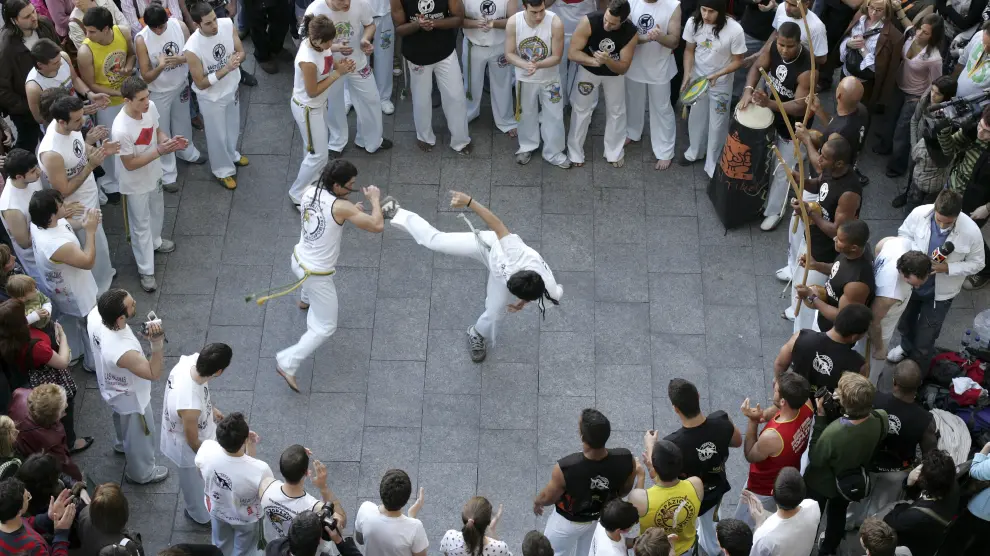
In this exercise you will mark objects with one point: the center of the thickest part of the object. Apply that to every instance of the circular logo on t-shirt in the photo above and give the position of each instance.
(171, 49)
(533, 49)
(222, 481)
(77, 148)
(278, 517)
(781, 72)
(823, 192)
(645, 23)
(219, 52)
(893, 424)
(606, 45)
(707, 451)
(113, 68)
(426, 6)
(835, 270)
(313, 223)
(673, 512)
(822, 364)
(488, 8)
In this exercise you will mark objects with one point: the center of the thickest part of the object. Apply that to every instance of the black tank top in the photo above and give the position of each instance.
(705, 449)
(423, 48)
(784, 76)
(822, 360)
(846, 271)
(822, 246)
(590, 484)
(907, 424)
(611, 42)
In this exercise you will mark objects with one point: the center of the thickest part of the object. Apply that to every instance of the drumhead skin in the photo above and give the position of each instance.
(698, 88)
(755, 117)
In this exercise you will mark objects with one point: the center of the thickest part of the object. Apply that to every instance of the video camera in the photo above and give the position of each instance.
(833, 409)
(961, 112)
(327, 520)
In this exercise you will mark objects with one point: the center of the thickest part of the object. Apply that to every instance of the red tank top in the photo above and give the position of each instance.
(794, 434)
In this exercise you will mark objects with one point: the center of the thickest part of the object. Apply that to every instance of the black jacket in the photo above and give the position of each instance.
(280, 547)
(15, 64)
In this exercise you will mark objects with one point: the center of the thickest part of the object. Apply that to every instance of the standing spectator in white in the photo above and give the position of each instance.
(214, 54)
(789, 531)
(477, 536)
(136, 12)
(315, 72)
(53, 69)
(189, 419)
(571, 12)
(23, 180)
(618, 519)
(382, 60)
(383, 528)
(534, 43)
(602, 46)
(66, 266)
(897, 270)
(163, 67)
(139, 172)
(659, 32)
(355, 31)
(233, 477)
(715, 48)
(484, 47)
(68, 162)
(125, 376)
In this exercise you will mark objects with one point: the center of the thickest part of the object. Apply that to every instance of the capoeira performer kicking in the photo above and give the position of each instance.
(355, 31)
(603, 45)
(325, 209)
(515, 269)
(164, 69)
(315, 73)
(534, 41)
(659, 27)
(214, 54)
(484, 47)
(571, 12)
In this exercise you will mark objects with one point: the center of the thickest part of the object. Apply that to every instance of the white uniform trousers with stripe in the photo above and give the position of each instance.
(451, 85)
(321, 319)
(108, 183)
(475, 60)
(708, 124)
(145, 218)
(314, 133)
(583, 105)
(222, 123)
(173, 112)
(134, 432)
(663, 126)
(384, 53)
(547, 101)
(364, 94)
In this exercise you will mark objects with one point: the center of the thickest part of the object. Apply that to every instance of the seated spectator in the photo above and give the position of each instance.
(921, 525)
(477, 535)
(305, 536)
(971, 532)
(735, 538)
(37, 413)
(21, 535)
(617, 520)
(383, 529)
(791, 530)
(879, 539)
(10, 460)
(103, 522)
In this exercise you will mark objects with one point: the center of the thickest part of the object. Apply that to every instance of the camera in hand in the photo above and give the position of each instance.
(960, 112)
(328, 520)
(152, 319)
(833, 409)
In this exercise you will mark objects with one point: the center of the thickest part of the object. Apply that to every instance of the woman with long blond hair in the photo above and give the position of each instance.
(477, 535)
(870, 50)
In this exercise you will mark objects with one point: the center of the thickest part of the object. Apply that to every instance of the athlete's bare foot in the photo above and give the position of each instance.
(424, 146)
(662, 165)
(628, 140)
(289, 379)
(303, 305)
(512, 133)
(577, 164)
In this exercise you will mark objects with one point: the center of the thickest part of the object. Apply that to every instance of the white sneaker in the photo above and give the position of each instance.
(770, 222)
(388, 107)
(896, 355)
(788, 314)
(784, 274)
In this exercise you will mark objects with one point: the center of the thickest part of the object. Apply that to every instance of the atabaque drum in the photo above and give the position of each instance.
(739, 187)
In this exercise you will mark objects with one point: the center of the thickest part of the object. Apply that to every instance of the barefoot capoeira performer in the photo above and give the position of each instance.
(514, 267)
(325, 209)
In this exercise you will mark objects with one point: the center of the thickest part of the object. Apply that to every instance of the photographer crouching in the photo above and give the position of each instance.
(307, 530)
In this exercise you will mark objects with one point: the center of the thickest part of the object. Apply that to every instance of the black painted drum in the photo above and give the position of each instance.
(739, 187)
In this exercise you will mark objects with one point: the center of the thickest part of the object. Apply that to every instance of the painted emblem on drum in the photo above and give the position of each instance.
(426, 6)
(737, 159)
(823, 192)
(533, 49)
(781, 72)
(488, 8)
(585, 88)
(645, 23)
(554, 90)
(503, 61)
(219, 52)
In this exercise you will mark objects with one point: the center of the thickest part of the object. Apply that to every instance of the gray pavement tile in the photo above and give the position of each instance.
(727, 274)
(679, 356)
(573, 176)
(336, 425)
(245, 342)
(190, 310)
(509, 396)
(449, 444)
(518, 337)
(451, 410)
(558, 420)
(673, 245)
(395, 394)
(146, 511)
(566, 364)
(233, 285)
(449, 369)
(631, 175)
(620, 274)
(670, 198)
(621, 394)
(771, 305)
(619, 216)
(567, 198)
(622, 333)
(344, 361)
(203, 209)
(357, 306)
(267, 130)
(568, 242)
(735, 385)
(255, 194)
(455, 294)
(519, 208)
(576, 313)
(385, 448)
(466, 174)
(729, 342)
(400, 330)
(711, 229)
(405, 271)
(195, 267)
(247, 241)
(415, 169)
(449, 486)
(676, 304)
(359, 248)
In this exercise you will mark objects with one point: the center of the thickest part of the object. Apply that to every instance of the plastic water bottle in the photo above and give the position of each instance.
(966, 340)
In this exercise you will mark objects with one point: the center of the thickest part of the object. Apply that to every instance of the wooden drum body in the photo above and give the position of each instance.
(738, 189)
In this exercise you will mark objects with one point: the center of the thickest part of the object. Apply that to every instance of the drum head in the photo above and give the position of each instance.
(698, 88)
(755, 117)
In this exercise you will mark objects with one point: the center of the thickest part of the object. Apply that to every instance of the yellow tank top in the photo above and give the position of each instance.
(109, 62)
(663, 503)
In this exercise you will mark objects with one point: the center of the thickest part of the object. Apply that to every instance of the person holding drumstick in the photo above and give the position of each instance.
(715, 49)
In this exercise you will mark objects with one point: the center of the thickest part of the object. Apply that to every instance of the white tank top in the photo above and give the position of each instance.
(278, 510)
(570, 12)
(324, 67)
(62, 79)
(319, 240)
(214, 53)
(169, 43)
(125, 391)
(72, 147)
(73, 289)
(533, 44)
(487, 10)
(653, 62)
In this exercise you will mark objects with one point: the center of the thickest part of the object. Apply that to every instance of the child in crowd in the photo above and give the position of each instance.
(37, 306)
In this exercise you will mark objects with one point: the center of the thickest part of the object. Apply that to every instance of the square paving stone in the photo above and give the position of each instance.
(400, 330)
(395, 394)
(673, 245)
(519, 208)
(233, 284)
(568, 242)
(388, 448)
(679, 356)
(509, 396)
(622, 333)
(619, 216)
(344, 361)
(566, 364)
(621, 395)
(336, 422)
(455, 294)
(620, 274)
(728, 275)
(245, 342)
(576, 313)
(405, 271)
(449, 369)
(729, 340)
(676, 304)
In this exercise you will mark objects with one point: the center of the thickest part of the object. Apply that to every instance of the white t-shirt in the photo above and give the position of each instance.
(510, 255)
(182, 392)
(788, 537)
(73, 289)
(452, 544)
(169, 43)
(653, 62)
(534, 44)
(324, 67)
(350, 27)
(137, 137)
(319, 240)
(382, 7)
(231, 483)
(889, 282)
(278, 510)
(13, 198)
(819, 38)
(389, 536)
(602, 545)
(975, 76)
(712, 53)
(62, 78)
(125, 392)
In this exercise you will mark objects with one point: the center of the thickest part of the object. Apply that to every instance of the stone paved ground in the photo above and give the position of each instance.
(654, 289)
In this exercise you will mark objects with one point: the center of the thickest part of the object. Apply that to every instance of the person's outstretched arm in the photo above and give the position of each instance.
(463, 200)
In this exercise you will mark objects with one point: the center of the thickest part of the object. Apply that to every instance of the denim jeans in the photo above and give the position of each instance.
(897, 130)
(920, 326)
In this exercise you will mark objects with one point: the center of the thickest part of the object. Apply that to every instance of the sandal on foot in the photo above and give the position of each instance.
(290, 380)
(88, 441)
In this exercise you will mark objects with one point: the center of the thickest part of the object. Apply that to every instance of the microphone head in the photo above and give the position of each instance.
(948, 248)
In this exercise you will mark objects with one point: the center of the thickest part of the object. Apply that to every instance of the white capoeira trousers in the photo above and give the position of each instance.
(108, 183)
(451, 85)
(384, 52)
(663, 126)
(134, 432)
(707, 537)
(236, 540)
(569, 538)
(222, 123)
(808, 317)
(475, 60)
(367, 104)
(583, 105)
(315, 134)
(191, 487)
(145, 218)
(103, 270)
(708, 124)
(78, 338)
(462, 244)
(173, 111)
(780, 185)
(321, 319)
(547, 100)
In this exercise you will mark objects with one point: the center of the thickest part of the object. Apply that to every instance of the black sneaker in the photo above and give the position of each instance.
(386, 145)
(899, 201)
(975, 282)
(476, 343)
(113, 198)
(389, 207)
(248, 79)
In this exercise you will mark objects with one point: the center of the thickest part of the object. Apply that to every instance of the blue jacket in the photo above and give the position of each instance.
(980, 470)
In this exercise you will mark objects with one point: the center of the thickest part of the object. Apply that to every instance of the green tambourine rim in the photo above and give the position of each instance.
(694, 91)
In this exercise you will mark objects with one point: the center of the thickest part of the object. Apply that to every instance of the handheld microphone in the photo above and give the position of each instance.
(939, 254)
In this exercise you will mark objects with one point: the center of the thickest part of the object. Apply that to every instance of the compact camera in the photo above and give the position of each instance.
(152, 319)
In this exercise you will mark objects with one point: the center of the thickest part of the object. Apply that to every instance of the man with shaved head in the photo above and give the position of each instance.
(851, 118)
